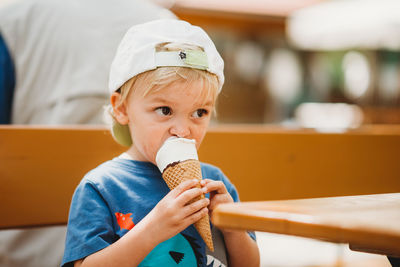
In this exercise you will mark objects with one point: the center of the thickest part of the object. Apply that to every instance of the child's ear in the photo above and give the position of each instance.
(119, 109)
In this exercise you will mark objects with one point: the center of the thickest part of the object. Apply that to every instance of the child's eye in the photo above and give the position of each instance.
(163, 111)
(200, 113)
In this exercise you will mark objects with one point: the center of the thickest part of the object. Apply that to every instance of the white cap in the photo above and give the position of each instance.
(136, 52)
(175, 150)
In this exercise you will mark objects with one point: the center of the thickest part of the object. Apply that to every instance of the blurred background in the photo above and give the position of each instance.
(305, 63)
(324, 64)
(329, 65)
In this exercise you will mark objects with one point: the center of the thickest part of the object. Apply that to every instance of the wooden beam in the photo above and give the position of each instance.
(41, 166)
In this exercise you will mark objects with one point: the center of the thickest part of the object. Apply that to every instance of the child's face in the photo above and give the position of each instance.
(180, 109)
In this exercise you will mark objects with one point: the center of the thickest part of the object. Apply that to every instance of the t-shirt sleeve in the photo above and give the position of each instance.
(90, 226)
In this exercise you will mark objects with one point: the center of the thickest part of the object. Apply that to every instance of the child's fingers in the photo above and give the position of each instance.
(195, 216)
(217, 186)
(182, 187)
(195, 206)
(203, 182)
(219, 199)
(188, 195)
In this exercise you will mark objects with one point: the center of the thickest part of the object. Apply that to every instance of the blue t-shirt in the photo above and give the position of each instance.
(112, 198)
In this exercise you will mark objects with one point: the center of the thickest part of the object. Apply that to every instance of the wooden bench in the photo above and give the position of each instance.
(41, 166)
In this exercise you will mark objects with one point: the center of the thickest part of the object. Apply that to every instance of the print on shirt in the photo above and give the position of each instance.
(213, 262)
(124, 220)
(180, 250)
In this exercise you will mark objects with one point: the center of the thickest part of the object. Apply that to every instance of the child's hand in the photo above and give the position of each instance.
(173, 213)
(218, 193)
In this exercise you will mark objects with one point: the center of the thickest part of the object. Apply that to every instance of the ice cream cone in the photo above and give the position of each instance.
(177, 160)
(175, 174)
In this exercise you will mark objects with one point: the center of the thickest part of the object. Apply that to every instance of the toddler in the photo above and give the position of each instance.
(164, 82)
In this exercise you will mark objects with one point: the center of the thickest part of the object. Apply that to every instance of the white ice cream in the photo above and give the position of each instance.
(175, 150)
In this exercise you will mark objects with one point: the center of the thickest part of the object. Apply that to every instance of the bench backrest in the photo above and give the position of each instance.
(40, 167)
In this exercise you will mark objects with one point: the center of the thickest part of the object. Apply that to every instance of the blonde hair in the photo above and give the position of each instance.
(156, 80)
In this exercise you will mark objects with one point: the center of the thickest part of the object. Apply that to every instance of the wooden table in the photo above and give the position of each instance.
(369, 223)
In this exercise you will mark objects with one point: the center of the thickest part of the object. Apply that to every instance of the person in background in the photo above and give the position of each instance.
(7, 82)
(61, 52)
(54, 62)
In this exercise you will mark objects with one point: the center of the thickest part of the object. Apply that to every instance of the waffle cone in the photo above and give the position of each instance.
(187, 170)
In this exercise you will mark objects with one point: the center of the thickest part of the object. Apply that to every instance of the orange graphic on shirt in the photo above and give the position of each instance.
(124, 220)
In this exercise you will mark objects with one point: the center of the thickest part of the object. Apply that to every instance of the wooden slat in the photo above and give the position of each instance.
(213, 20)
(247, 17)
(263, 8)
(41, 166)
(271, 164)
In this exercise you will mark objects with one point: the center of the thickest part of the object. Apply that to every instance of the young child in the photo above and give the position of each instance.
(164, 82)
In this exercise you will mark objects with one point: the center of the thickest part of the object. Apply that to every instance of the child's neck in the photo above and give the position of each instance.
(125, 155)
(133, 154)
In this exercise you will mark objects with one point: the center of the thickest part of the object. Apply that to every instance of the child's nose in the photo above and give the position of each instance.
(180, 128)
